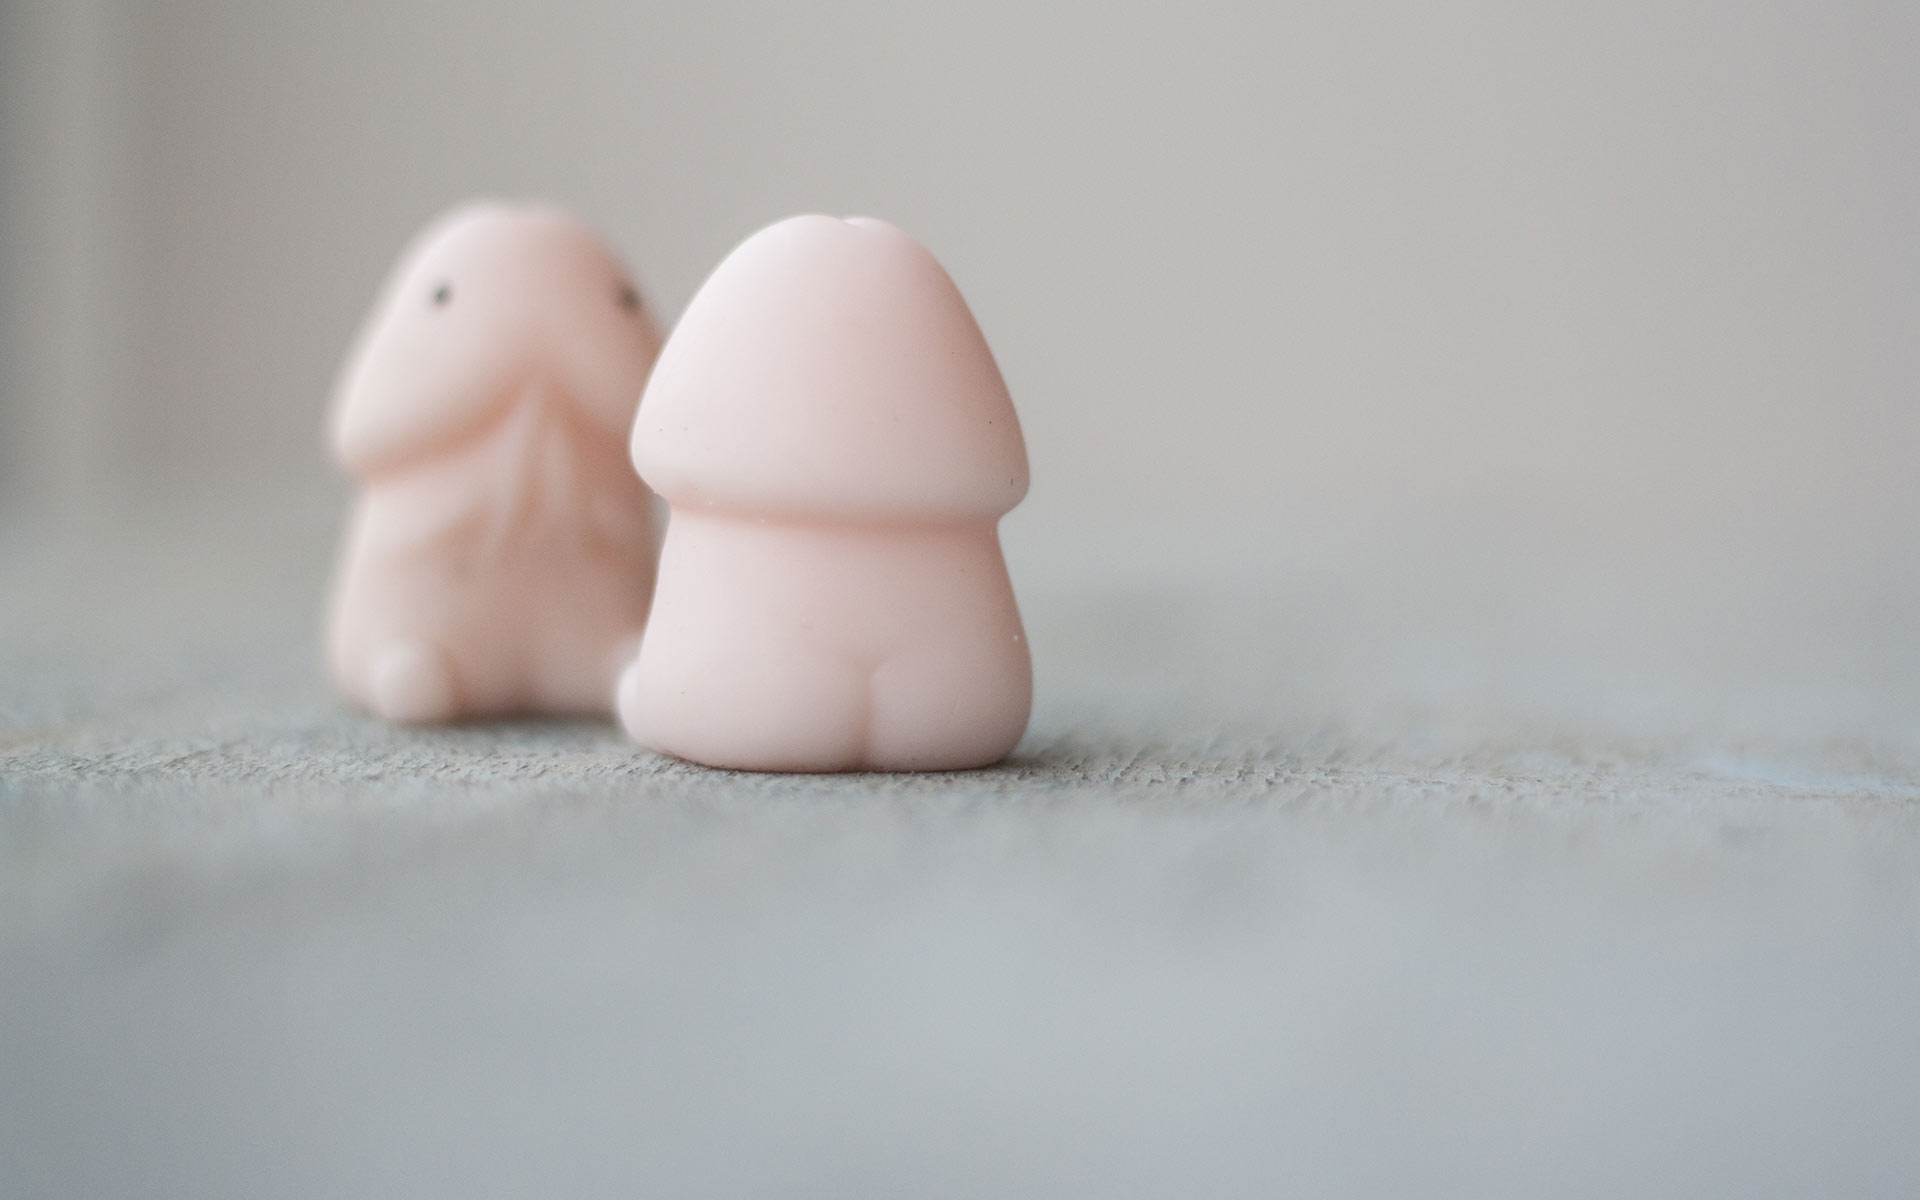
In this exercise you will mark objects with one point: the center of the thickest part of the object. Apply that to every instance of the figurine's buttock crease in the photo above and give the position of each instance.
(831, 646)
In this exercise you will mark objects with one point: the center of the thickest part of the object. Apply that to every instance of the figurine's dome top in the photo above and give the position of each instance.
(488, 299)
(831, 368)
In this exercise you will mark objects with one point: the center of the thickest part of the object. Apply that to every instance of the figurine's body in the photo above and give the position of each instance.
(501, 554)
(837, 446)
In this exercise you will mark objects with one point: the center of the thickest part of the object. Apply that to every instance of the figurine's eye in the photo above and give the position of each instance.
(629, 299)
(442, 295)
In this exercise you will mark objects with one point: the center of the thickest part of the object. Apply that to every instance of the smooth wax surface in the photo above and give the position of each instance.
(501, 551)
(837, 446)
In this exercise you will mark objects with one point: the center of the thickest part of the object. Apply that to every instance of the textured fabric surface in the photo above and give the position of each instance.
(1293, 888)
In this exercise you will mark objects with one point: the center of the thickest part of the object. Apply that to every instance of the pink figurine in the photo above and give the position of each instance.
(837, 446)
(501, 553)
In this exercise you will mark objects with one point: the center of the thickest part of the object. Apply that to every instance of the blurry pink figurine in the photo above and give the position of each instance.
(501, 552)
(837, 446)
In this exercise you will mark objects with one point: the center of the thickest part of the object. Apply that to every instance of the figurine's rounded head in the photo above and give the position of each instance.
(491, 299)
(830, 368)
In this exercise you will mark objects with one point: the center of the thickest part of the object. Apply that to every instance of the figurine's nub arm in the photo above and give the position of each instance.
(371, 443)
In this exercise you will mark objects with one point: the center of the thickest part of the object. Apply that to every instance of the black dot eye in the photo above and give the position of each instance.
(629, 299)
(442, 295)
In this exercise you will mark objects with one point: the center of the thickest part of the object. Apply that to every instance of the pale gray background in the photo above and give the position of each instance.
(1471, 569)
(1635, 277)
